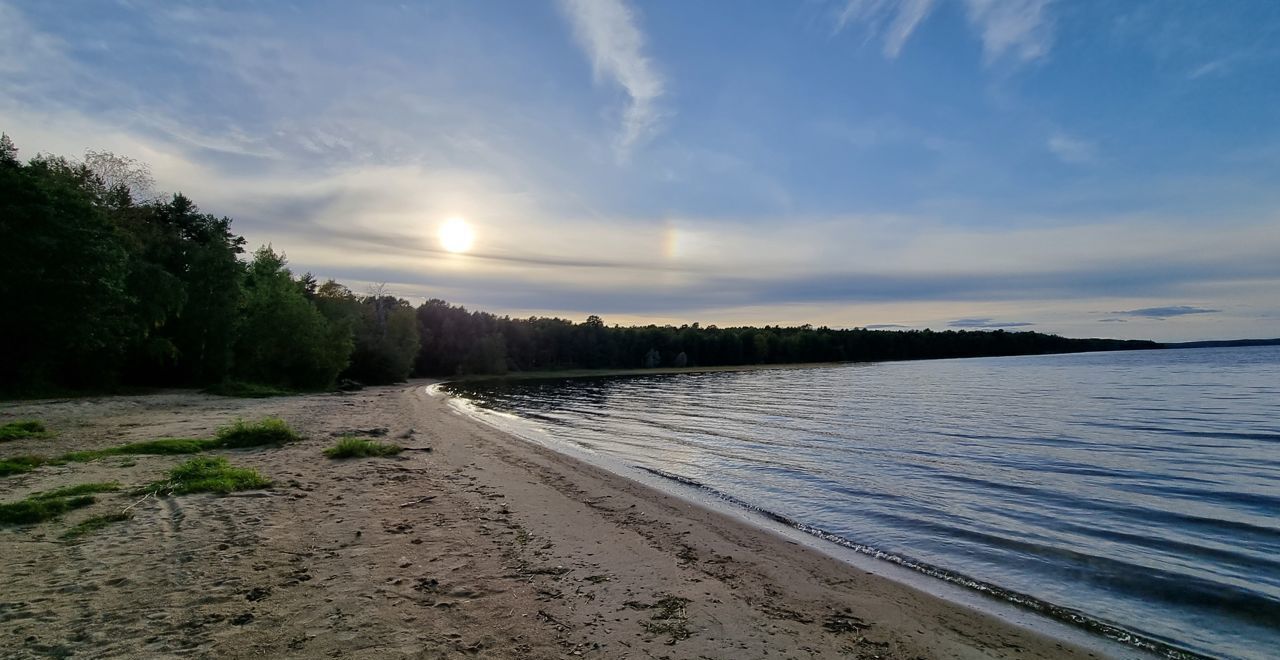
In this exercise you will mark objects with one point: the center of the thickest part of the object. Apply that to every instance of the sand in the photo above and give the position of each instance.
(487, 546)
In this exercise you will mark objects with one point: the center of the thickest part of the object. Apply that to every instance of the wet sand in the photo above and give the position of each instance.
(487, 546)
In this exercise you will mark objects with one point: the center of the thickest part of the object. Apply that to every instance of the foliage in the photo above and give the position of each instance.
(384, 330)
(211, 474)
(94, 524)
(23, 428)
(284, 339)
(267, 431)
(34, 510)
(63, 277)
(458, 341)
(349, 447)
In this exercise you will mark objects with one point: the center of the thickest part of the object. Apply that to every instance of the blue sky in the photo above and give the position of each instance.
(1087, 168)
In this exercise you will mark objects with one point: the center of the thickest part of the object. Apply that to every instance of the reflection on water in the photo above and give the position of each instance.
(1140, 488)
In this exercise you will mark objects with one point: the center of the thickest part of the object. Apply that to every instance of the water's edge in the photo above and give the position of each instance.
(1072, 618)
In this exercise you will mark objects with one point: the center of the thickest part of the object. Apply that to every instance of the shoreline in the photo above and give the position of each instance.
(487, 546)
(964, 590)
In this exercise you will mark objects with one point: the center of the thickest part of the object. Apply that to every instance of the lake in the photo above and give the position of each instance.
(1132, 493)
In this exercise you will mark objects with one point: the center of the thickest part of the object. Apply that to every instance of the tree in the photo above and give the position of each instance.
(8, 151)
(63, 278)
(284, 339)
(123, 178)
(384, 329)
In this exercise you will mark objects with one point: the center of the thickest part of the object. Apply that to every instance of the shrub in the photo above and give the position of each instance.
(23, 428)
(349, 447)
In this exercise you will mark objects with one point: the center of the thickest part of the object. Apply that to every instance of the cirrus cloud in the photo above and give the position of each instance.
(607, 31)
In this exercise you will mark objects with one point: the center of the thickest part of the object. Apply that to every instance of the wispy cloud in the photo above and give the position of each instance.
(1113, 320)
(886, 326)
(896, 19)
(986, 323)
(607, 31)
(1071, 150)
(1167, 312)
(1021, 29)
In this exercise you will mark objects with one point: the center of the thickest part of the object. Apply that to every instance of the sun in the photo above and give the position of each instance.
(456, 235)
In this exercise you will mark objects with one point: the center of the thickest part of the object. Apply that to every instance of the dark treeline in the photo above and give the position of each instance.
(104, 285)
(455, 341)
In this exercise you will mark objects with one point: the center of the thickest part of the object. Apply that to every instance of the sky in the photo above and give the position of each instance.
(1088, 168)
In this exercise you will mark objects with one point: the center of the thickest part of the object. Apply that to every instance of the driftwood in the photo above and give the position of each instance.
(420, 500)
(144, 499)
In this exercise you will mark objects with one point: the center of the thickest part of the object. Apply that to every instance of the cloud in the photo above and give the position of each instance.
(1167, 312)
(885, 326)
(1020, 29)
(607, 31)
(1113, 320)
(986, 323)
(901, 16)
(1071, 150)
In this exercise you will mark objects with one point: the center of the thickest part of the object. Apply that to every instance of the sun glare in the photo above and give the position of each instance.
(456, 235)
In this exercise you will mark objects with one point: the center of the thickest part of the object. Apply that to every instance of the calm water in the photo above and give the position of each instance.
(1138, 489)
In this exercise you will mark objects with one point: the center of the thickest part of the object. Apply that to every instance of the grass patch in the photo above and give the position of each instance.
(34, 510)
(235, 388)
(209, 474)
(23, 428)
(162, 447)
(349, 447)
(94, 524)
(268, 431)
(20, 464)
(241, 434)
(80, 489)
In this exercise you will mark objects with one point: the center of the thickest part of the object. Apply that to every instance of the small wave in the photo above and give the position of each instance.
(1056, 612)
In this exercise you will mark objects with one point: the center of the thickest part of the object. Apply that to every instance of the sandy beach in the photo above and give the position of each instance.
(486, 546)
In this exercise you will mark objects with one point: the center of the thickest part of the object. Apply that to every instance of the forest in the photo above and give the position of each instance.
(105, 284)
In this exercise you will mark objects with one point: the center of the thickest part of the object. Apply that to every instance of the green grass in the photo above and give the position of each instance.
(162, 447)
(34, 510)
(19, 464)
(23, 428)
(209, 474)
(239, 435)
(94, 524)
(80, 489)
(235, 388)
(349, 447)
(268, 431)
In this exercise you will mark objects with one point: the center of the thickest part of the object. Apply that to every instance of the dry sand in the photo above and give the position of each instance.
(515, 552)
